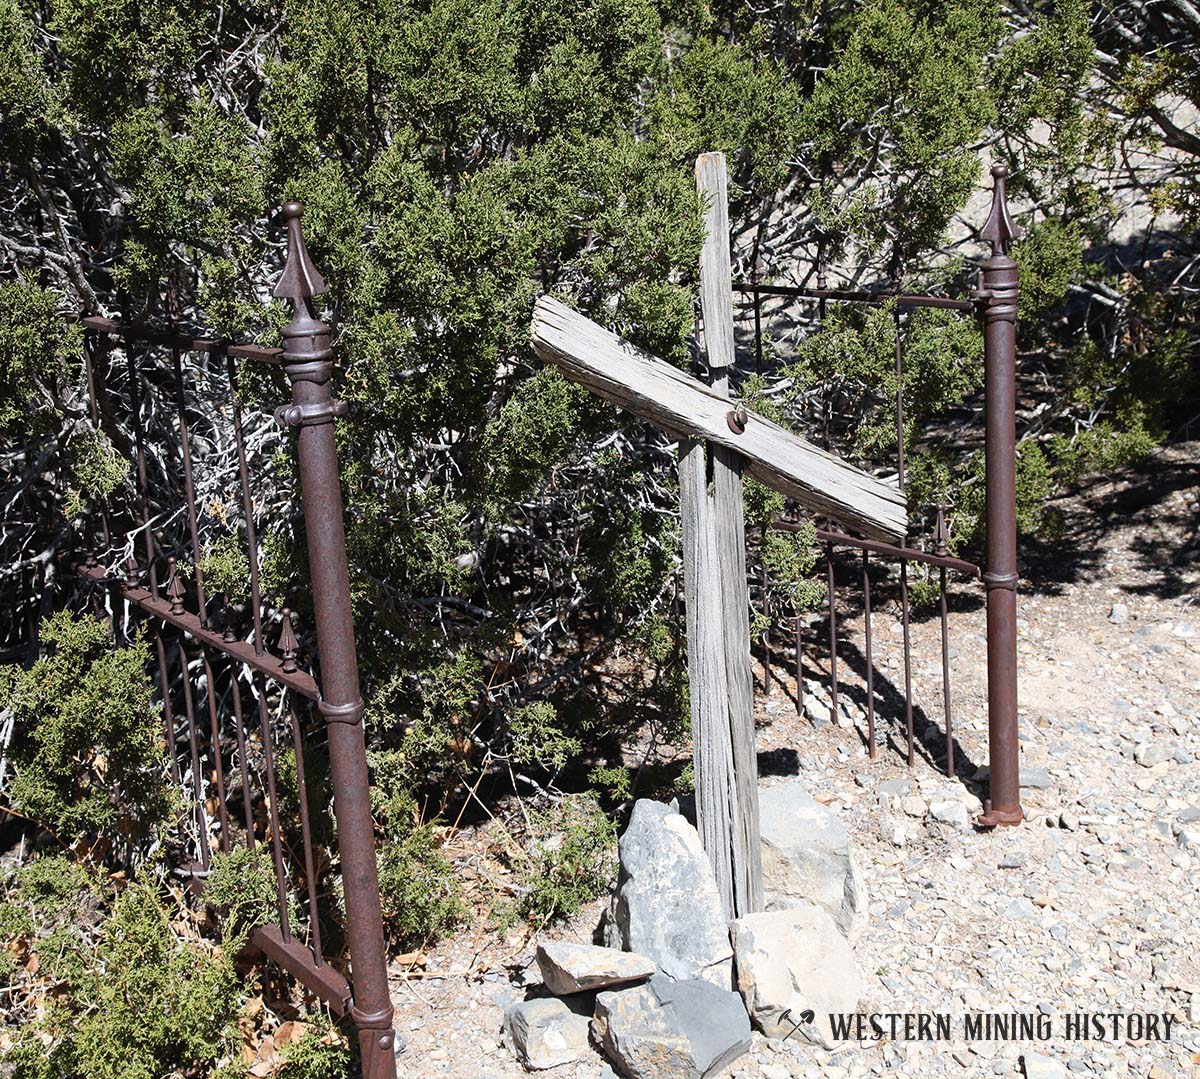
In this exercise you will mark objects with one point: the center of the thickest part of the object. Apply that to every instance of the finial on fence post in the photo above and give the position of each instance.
(307, 362)
(999, 230)
(300, 278)
(174, 587)
(998, 295)
(287, 642)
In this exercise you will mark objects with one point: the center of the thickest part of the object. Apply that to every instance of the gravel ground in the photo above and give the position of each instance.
(1090, 906)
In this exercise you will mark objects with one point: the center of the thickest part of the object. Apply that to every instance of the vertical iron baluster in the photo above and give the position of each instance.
(89, 368)
(264, 721)
(243, 758)
(135, 401)
(215, 730)
(943, 548)
(194, 746)
(189, 489)
(900, 318)
(164, 683)
(833, 639)
(908, 705)
(314, 917)
(247, 508)
(866, 576)
(799, 664)
(766, 598)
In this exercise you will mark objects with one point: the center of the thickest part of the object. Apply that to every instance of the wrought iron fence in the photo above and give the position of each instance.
(232, 705)
(994, 303)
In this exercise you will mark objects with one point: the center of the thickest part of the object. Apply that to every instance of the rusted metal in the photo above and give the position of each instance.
(247, 507)
(310, 871)
(890, 550)
(308, 365)
(831, 586)
(941, 539)
(149, 335)
(214, 724)
(853, 296)
(201, 817)
(737, 418)
(998, 295)
(235, 692)
(274, 827)
(135, 403)
(866, 580)
(189, 489)
(293, 956)
(908, 700)
(265, 663)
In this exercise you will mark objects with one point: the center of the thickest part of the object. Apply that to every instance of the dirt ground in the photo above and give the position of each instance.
(1090, 906)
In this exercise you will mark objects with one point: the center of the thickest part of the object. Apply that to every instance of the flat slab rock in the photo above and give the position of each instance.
(667, 906)
(665, 1029)
(790, 962)
(568, 967)
(545, 1033)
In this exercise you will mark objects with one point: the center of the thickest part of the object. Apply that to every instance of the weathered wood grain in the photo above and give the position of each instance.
(712, 749)
(672, 399)
(716, 312)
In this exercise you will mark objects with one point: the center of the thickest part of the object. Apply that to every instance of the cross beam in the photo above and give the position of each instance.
(655, 391)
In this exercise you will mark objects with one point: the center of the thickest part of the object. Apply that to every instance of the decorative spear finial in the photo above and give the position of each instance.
(228, 633)
(300, 278)
(287, 643)
(131, 572)
(174, 587)
(999, 230)
(941, 534)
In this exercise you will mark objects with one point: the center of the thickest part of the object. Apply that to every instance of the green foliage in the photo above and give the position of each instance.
(572, 861)
(538, 737)
(87, 745)
(136, 999)
(321, 1052)
(418, 890)
(226, 568)
(38, 351)
(241, 885)
(98, 470)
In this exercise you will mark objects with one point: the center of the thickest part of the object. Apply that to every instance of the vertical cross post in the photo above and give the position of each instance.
(308, 365)
(715, 541)
(998, 293)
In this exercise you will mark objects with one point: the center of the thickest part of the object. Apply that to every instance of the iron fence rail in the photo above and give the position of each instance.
(229, 703)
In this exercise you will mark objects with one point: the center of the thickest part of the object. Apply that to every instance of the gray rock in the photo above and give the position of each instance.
(1036, 778)
(951, 811)
(806, 856)
(668, 908)
(1189, 838)
(891, 791)
(664, 1029)
(792, 961)
(1150, 754)
(1042, 1067)
(1021, 909)
(1118, 614)
(914, 805)
(1012, 861)
(545, 1033)
(575, 968)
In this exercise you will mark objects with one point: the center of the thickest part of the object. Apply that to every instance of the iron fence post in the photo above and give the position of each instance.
(307, 362)
(997, 294)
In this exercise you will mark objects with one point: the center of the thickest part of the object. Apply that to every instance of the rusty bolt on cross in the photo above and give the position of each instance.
(308, 365)
(997, 297)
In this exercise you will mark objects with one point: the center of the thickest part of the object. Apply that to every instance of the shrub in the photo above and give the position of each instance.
(572, 861)
(87, 745)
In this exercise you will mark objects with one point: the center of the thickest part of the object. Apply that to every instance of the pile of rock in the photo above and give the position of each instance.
(673, 994)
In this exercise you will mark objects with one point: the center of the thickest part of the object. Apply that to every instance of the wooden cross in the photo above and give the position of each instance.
(718, 442)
